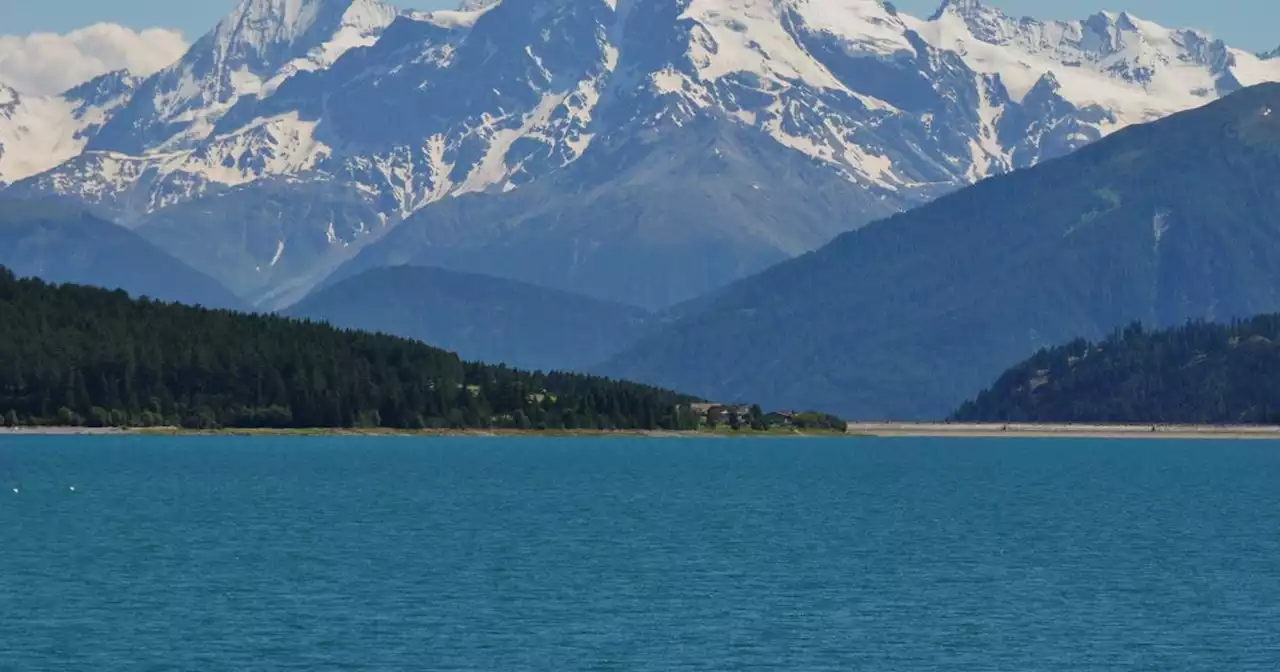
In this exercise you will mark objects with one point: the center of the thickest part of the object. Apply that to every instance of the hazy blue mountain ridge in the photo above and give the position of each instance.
(60, 243)
(481, 318)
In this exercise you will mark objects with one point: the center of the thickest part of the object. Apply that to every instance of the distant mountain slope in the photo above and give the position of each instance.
(1161, 223)
(646, 222)
(481, 318)
(260, 243)
(582, 97)
(59, 243)
(1196, 374)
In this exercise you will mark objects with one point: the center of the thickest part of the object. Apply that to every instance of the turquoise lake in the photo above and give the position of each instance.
(638, 554)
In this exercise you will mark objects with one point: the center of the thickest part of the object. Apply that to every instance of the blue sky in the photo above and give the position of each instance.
(1249, 24)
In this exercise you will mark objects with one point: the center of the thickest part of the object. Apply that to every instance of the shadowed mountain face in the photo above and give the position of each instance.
(668, 146)
(59, 243)
(908, 317)
(481, 318)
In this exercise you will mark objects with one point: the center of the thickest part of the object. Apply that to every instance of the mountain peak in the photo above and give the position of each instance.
(281, 18)
(476, 5)
(962, 8)
(1120, 20)
(259, 45)
(262, 26)
(986, 23)
(108, 85)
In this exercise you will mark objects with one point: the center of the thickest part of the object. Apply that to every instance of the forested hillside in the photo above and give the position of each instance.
(1200, 373)
(72, 355)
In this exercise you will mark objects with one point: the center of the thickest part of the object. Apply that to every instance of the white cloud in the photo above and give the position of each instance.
(46, 63)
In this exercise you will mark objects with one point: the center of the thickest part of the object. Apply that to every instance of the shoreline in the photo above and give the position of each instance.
(63, 431)
(930, 430)
(402, 433)
(939, 430)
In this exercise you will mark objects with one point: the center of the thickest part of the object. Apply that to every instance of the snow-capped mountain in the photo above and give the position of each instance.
(152, 151)
(400, 112)
(261, 44)
(40, 132)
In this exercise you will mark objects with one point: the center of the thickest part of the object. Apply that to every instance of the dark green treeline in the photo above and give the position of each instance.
(1200, 373)
(72, 355)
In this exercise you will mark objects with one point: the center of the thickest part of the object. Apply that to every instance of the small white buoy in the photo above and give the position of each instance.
(72, 488)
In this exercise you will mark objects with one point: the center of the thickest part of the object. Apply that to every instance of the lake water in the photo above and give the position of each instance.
(620, 554)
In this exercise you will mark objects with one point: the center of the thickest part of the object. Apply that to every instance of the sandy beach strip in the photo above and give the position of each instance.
(61, 431)
(1079, 431)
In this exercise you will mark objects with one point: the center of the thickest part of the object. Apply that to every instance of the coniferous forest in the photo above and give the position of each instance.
(1200, 373)
(72, 355)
